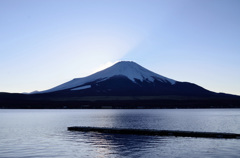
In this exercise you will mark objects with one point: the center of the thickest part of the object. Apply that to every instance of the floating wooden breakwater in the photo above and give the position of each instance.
(155, 132)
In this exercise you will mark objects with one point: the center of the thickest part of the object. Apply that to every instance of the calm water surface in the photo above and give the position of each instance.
(43, 133)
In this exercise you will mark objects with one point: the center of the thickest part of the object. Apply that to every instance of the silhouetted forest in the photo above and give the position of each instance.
(23, 101)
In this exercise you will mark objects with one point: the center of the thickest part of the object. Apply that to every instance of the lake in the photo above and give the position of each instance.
(43, 133)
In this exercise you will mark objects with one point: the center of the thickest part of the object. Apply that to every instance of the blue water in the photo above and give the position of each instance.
(43, 133)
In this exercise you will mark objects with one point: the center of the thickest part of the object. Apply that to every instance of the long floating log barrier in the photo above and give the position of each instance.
(156, 132)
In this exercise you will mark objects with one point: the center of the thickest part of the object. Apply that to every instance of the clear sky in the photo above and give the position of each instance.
(44, 43)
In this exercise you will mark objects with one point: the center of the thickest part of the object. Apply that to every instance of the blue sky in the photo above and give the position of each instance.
(44, 43)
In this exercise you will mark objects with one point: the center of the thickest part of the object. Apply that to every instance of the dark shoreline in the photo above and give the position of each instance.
(16, 103)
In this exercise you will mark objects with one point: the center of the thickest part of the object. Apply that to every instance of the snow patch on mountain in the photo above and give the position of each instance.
(129, 69)
(81, 88)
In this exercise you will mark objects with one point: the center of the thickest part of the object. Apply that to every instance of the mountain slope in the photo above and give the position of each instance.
(131, 70)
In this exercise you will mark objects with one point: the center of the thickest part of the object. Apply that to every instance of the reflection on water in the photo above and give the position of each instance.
(43, 133)
(117, 144)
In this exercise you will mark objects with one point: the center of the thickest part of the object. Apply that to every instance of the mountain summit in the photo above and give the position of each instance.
(127, 78)
(133, 71)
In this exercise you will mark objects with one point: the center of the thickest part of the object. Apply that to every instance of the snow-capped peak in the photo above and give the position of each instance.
(131, 70)
(128, 69)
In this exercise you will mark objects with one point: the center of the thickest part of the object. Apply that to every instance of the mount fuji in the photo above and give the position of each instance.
(123, 85)
(127, 78)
